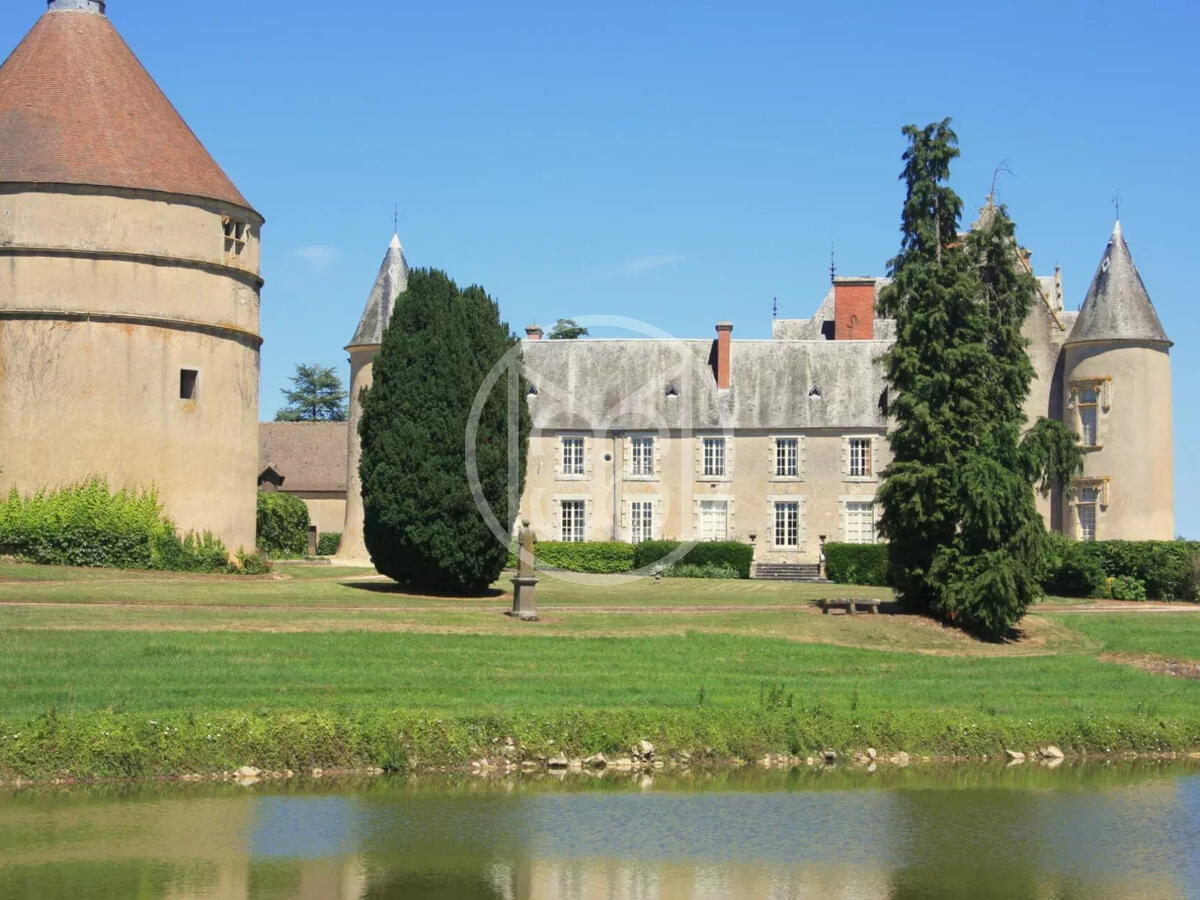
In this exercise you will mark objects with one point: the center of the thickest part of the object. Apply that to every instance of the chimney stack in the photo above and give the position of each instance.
(533, 332)
(854, 309)
(724, 340)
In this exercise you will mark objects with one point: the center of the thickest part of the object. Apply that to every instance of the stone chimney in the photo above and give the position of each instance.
(724, 342)
(533, 332)
(854, 309)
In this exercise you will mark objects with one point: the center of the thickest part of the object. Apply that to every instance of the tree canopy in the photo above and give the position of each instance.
(567, 330)
(421, 522)
(316, 395)
(966, 542)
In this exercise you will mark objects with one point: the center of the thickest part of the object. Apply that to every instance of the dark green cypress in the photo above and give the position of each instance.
(966, 542)
(421, 523)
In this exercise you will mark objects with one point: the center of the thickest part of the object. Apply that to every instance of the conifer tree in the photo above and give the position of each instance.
(966, 542)
(421, 523)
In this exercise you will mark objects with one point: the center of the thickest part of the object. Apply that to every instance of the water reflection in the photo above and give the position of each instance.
(1087, 831)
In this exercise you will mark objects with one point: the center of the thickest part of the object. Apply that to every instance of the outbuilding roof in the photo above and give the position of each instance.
(77, 107)
(311, 456)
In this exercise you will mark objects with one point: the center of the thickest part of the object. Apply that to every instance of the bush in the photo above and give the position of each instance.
(251, 564)
(731, 554)
(1071, 570)
(706, 570)
(857, 564)
(593, 556)
(1123, 587)
(282, 523)
(87, 524)
(328, 543)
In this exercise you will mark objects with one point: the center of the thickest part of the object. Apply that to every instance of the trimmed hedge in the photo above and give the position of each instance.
(87, 524)
(328, 543)
(728, 554)
(857, 564)
(707, 570)
(1168, 570)
(282, 523)
(593, 557)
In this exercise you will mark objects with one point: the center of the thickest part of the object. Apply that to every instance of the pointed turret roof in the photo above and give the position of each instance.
(1117, 307)
(391, 282)
(76, 107)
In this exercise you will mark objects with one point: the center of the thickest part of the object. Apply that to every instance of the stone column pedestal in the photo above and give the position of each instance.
(524, 599)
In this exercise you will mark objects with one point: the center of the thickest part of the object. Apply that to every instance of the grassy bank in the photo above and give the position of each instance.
(132, 675)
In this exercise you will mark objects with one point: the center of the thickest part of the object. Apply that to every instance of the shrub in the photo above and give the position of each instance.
(857, 563)
(251, 564)
(282, 523)
(87, 524)
(592, 556)
(1071, 570)
(1165, 567)
(328, 543)
(705, 570)
(1124, 587)
(731, 554)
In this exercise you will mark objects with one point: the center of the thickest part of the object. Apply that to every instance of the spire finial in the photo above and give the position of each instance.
(95, 6)
(1116, 201)
(396, 219)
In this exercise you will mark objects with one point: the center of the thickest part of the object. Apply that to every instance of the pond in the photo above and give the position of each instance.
(1088, 831)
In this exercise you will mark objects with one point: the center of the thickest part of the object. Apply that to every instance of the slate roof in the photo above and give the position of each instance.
(76, 107)
(311, 456)
(1118, 306)
(391, 282)
(623, 385)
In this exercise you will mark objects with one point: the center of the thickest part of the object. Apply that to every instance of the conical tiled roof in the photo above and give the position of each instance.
(391, 282)
(76, 107)
(1117, 307)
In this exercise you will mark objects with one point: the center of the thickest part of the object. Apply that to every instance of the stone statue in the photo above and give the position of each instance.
(526, 556)
(525, 584)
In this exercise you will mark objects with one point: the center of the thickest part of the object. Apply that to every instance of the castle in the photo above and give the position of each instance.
(129, 285)
(129, 347)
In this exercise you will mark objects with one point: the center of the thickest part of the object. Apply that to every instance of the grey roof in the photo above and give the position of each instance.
(391, 282)
(1117, 307)
(615, 385)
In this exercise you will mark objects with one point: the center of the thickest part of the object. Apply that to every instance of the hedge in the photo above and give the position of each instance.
(1167, 570)
(87, 524)
(857, 564)
(328, 543)
(731, 554)
(282, 523)
(595, 557)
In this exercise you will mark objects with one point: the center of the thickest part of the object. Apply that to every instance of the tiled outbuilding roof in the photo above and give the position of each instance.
(311, 456)
(77, 107)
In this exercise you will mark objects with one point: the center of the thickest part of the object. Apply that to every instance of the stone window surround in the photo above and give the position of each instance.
(729, 444)
(656, 451)
(1101, 486)
(843, 511)
(559, 445)
(588, 506)
(697, 515)
(874, 458)
(773, 458)
(1102, 384)
(802, 523)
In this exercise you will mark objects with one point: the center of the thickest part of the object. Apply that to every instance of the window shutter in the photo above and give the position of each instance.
(656, 525)
(558, 456)
(802, 530)
(627, 455)
(587, 457)
(845, 456)
(729, 442)
(875, 456)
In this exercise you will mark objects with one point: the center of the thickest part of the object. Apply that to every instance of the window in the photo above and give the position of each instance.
(787, 457)
(1085, 507)
(572, 456)
(860, 457)
(714, 520)
(572, 521)
(860, 522)
(642, 456)
(1089, 417)
(235, 235)
(187, 383)
(714, 457)
(787, 523)
(641, 525)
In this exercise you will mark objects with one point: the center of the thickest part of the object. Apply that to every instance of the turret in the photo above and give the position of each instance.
(1117, 397)
(390, 283)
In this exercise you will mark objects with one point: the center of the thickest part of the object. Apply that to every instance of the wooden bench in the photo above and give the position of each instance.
(849, 604)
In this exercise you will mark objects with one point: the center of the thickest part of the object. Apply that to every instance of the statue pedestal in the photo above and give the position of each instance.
(524, 598)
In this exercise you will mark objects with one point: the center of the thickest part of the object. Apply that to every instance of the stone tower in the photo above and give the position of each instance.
(1117, 396)
(129, 285)
(391, 282)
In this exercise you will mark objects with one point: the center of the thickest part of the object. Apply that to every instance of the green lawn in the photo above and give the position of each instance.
(1176, 636)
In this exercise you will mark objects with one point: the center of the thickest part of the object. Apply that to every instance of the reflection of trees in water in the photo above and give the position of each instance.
(416, 886)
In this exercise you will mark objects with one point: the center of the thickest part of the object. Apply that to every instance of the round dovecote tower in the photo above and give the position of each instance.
(1117, 396)
(129, 285)
(391, 282)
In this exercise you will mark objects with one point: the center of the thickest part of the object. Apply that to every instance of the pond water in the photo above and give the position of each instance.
(1085, 831)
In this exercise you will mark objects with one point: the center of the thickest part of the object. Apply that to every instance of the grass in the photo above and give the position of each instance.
(315, 669)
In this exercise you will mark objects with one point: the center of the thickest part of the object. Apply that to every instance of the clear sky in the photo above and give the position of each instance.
(681, 163)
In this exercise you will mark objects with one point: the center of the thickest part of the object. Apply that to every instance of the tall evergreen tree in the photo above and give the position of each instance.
(421, 524)
(317, 395)
(966, 541)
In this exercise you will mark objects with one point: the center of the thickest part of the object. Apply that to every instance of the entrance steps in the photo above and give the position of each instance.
(810, 572)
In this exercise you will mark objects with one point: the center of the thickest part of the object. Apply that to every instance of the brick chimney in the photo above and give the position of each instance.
(533, 332)
(854, 309)
(724, 340)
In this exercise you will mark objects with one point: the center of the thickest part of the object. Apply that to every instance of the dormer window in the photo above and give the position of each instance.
(236, 232)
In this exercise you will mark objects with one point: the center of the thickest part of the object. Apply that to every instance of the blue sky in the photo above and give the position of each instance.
(676, 162)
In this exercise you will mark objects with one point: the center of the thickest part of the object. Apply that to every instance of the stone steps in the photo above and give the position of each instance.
(810, 572)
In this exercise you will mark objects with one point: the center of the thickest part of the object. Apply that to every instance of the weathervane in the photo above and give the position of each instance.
(1117, 203)
(774, 307)
(396, 219)
(832, 262)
